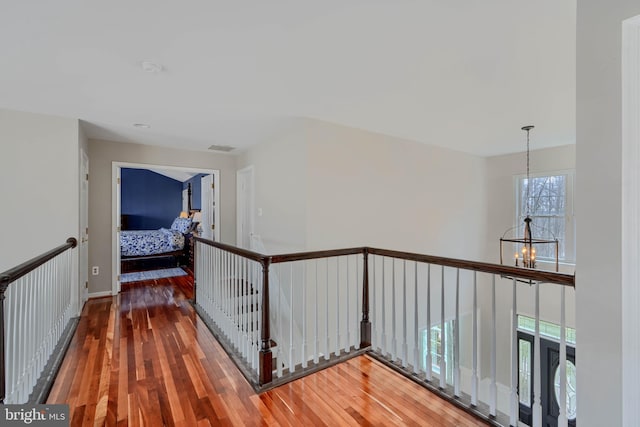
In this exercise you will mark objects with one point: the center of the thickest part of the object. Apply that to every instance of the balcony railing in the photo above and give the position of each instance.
(448, 324)
(37, 302)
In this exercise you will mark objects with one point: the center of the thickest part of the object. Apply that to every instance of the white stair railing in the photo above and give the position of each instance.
(38, 299)
(445, 326)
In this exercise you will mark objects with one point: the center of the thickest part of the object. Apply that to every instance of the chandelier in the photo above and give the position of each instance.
(520, 240)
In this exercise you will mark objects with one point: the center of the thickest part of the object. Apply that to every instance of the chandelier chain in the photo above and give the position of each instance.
(528, 207)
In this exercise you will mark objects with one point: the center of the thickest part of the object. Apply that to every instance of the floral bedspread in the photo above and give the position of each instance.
(150, 242)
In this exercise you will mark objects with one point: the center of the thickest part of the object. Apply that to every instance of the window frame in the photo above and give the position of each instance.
(569, 239)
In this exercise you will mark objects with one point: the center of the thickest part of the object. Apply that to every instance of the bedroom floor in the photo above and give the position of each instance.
(147, 264)
(184, 284)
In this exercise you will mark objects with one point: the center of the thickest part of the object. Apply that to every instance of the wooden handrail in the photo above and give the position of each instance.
(485, 267)
(254, 256)
(541, 276)
(302, 256)
(11, 276)
(17, 272)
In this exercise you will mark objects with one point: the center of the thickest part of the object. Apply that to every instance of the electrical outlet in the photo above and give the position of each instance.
(95, 270)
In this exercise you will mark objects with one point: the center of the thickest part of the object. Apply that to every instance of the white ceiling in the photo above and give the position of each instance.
(464, 74)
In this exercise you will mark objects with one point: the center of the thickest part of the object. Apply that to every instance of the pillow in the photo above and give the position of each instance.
(181, 224)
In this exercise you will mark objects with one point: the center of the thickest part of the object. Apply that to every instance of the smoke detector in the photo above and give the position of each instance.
(151, 67)
(223, 148)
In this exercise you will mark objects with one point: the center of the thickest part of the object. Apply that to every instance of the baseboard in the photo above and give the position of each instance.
(99, 294)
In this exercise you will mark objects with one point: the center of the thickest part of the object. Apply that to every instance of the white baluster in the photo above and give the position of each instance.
(443, 337)
(416, 324)
(405, 350)
(428, 363)
(456, 340)
(237, 301)
(280, 329)
(338, 335)
(316, 341)
(292, 359)
(347, 346)
(327, 351)
(383, 302)
(474, 344)
(514, 360)
(394, 330)
(562, 417)
(537, 377)
(303, 282)
(493, 389)
(373, 310)
(247, 307)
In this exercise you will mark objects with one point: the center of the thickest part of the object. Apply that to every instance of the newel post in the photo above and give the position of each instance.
(265, 358)
(365, 324)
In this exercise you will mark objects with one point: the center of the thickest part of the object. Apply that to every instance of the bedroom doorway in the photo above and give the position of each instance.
(180, 174)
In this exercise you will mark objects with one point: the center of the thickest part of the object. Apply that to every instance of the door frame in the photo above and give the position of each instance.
(243, 198)
(630, 279)
(83, 244)
(116, 168)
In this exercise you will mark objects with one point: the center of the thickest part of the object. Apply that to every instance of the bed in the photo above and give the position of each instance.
(148, 244)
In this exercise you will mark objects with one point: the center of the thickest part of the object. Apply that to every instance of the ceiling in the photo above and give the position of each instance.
(463, 74)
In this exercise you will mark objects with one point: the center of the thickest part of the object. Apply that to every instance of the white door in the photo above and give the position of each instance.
(245, 195)
(207, 206)
(83, 250)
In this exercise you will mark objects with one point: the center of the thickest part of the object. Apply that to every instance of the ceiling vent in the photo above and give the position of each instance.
(224, 148)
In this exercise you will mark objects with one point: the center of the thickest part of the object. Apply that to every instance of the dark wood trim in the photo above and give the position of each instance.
(365, 323)
(485, 267)
(265, 362)
(21, 270)
(461, 402)
(502, 270)
(301, 372)
(50, 372)
(254, 256)
(302, 256)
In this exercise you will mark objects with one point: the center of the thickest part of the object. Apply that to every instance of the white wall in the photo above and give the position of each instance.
(39, 191)
(501, 204)
(599, 201)
(371, 189)
(324, 186)
(280, 168)
(102, 154)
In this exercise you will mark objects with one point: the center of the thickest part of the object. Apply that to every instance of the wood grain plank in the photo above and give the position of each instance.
(145, 358)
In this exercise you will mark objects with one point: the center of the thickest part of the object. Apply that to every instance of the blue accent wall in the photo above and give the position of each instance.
(196, 185)
(149, 201)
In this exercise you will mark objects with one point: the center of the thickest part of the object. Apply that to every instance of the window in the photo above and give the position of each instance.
(547, 329)
(437, 352)
(548, 199)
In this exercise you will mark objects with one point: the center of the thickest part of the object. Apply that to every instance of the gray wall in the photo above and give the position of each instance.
(102, 154)
(39, 191)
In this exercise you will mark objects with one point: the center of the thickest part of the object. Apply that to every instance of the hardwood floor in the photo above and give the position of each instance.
(145, 358)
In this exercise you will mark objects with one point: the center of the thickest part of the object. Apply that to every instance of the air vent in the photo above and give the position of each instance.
(224, 148)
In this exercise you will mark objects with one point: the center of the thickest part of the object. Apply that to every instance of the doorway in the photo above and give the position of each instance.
(549, 380)
(117, 207)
